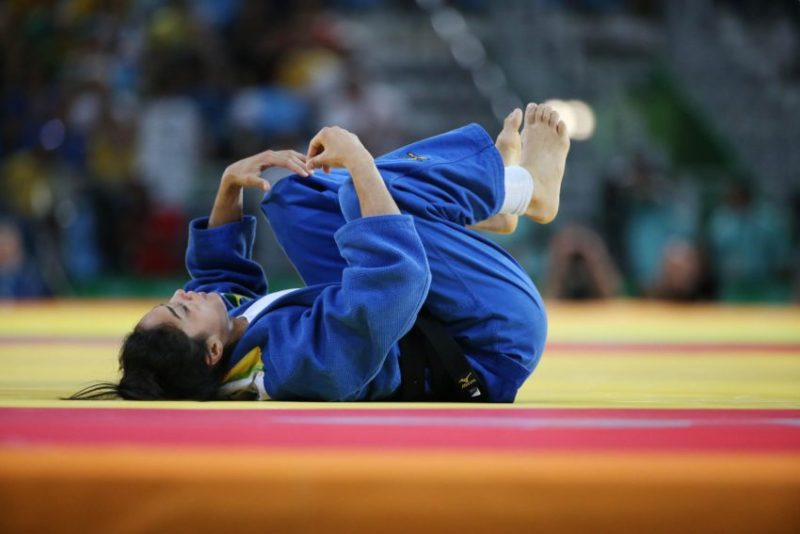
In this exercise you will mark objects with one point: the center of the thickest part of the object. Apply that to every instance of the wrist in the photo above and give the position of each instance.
(228, 186)
(362, 159)
(228, 181)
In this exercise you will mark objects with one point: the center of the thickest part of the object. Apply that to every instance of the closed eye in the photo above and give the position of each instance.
(171, 310)
(185, 309)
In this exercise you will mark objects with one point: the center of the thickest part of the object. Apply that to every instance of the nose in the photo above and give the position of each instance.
(182, 295)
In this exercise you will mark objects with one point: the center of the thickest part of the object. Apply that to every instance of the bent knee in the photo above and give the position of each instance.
(528, 324)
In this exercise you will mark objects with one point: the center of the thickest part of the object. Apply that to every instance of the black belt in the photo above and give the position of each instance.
(428, 353)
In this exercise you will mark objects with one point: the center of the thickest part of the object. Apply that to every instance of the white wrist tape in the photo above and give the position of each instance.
(519, 190)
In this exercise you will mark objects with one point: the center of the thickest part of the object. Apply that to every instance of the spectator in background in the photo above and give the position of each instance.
(267, 115)
(580, 266)
(795, 255)
(283, 68)
(169, 142)
(26, 189)
(684, 273)
(751, 246)
(119, 201)
(374, 112)
(113, 112)
(647, 215)
(19, 276)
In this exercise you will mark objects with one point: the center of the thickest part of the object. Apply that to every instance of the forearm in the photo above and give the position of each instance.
(373, 196)
(227, 205)
(336, 147)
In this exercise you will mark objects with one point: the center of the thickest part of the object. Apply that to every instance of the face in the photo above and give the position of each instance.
(197, 314)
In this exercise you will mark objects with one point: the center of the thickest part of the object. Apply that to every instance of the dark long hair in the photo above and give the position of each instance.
(161, 363)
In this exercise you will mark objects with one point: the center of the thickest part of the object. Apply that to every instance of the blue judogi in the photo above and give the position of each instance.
(368, 277)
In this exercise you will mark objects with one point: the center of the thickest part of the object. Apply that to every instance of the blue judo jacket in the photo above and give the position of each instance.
(335, 341)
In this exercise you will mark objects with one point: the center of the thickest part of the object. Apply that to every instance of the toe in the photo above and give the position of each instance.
(540, 111)
(554, 117)
(513, 121)
(530, 113)
(561, 128)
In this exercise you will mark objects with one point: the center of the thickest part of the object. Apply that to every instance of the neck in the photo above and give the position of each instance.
(239, 326)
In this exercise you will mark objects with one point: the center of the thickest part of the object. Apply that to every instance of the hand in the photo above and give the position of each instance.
(245, 172)
(335, 147)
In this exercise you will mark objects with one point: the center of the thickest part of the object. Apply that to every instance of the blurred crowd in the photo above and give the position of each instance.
(658, 239)
(119, 116)
(113, 112)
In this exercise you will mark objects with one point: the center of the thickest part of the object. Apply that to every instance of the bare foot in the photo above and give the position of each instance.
(509, 144)
(545, 145)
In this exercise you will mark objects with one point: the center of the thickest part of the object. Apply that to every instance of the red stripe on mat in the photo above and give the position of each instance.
(471, 429)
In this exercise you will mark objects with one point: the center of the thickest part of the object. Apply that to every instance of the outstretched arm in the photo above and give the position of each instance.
(336, 147)
(220, 248)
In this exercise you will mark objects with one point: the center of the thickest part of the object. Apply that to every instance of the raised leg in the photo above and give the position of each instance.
(478, 291)
(304, 214)
(455, 177)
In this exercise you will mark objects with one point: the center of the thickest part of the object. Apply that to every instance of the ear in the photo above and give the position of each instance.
(214, 351)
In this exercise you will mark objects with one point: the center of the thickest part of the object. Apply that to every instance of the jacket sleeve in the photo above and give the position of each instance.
(334, 348)
(219, 259)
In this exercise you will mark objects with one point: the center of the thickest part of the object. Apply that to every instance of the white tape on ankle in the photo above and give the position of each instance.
(519, 190)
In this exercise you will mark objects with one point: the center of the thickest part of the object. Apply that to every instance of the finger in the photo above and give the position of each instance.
(301, 163)
(326, 169)
(266, 159)
(284, 158)
(301, 157)
(297, 166)
(315, 146)
(255, 182)
(316, 162)
(260, 162)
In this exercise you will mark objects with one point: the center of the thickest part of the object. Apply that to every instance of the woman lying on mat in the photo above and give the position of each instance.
(404, 301)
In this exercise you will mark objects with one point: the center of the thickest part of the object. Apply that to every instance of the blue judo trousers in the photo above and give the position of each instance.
(367, 278)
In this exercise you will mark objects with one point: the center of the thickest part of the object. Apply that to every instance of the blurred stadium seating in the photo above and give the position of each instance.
(120, 116)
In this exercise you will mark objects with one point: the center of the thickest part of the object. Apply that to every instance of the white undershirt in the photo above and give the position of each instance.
(262, 303)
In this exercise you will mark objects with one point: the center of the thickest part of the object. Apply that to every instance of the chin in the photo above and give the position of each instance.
(220, 305)
(218, 298)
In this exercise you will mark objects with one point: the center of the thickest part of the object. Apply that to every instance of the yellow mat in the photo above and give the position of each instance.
(617, 354)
